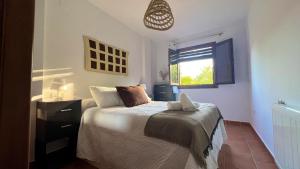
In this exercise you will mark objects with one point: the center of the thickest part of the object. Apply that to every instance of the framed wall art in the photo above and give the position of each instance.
(104, 58)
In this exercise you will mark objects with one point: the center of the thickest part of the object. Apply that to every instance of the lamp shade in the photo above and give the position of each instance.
(159, 16)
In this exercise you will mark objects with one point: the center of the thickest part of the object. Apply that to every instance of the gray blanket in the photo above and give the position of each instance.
(193, 130)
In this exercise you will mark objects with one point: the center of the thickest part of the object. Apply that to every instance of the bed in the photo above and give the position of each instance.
(113, 138)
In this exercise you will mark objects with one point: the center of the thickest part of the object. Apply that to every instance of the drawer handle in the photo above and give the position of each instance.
(66, 110)
(65, 126)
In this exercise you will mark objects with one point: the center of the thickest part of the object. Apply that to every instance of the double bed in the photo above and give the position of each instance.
(114, 138)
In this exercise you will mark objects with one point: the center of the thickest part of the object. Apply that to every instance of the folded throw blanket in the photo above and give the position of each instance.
(193, 130)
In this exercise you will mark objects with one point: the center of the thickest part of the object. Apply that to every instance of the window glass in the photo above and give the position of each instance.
(197, 72)
(174, 74)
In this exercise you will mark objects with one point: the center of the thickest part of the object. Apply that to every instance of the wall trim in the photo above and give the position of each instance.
(236, 122)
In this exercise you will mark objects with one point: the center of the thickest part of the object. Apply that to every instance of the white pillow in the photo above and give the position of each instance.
(106, 96)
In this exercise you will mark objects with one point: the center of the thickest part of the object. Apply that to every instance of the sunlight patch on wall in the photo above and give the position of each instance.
(36, 98)
(60, 93)
(50, 70)
(47, 77)
(56, 84)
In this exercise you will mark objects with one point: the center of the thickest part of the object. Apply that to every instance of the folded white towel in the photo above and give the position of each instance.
(196, 105)
(175, 105)
(187, 104)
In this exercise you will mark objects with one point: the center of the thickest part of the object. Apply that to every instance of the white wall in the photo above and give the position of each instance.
(58, 44)
(37, 64)
(275, 61)
(66, 23)
(233, 100)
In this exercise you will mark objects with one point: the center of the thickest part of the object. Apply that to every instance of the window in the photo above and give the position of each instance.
(204, 65)
(193, 66)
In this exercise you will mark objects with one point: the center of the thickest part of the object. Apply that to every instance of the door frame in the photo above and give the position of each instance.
(16, 34)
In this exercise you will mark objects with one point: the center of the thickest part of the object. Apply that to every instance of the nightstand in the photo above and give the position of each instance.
(165, 92)
(57, 127)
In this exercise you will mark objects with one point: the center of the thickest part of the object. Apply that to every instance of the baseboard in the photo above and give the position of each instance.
(235, 122)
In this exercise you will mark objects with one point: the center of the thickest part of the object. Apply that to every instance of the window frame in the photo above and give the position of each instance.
(213, 57)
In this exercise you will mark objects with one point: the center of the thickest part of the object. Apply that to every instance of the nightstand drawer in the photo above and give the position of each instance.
(165, 88)
(167, 97)
(56, 130)
(62, 115)
(165, 92)
(59, 111)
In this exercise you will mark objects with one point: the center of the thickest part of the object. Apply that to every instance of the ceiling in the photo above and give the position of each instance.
(192, 17)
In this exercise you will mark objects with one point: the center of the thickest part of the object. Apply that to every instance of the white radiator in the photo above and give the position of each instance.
(286, 126)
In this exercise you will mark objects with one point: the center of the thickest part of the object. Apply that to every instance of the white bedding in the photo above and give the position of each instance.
(113, 138)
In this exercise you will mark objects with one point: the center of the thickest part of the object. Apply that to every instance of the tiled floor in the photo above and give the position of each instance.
(243, 150)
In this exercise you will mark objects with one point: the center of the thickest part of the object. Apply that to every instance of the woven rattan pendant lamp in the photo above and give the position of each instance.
(159, 16)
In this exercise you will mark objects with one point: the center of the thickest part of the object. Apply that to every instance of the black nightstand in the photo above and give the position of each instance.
(165, 92)
(56, 133)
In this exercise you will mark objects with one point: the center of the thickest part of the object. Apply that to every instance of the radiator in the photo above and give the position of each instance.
(286, 126)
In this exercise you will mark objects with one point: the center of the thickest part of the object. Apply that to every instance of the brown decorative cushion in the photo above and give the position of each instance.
(133, 95)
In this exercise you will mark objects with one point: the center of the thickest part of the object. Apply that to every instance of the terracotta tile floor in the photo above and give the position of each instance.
(243, 150)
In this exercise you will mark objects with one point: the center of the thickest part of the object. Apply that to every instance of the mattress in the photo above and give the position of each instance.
(113, 138)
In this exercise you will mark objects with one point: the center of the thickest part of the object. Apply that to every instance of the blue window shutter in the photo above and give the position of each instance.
(173, 67)
(224, 62)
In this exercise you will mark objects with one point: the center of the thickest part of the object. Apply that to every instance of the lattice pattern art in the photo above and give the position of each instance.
(104, 58)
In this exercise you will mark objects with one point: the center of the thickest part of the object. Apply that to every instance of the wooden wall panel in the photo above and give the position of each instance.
(17, 21)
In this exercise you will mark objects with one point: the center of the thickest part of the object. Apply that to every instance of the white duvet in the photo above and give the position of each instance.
(113, 138)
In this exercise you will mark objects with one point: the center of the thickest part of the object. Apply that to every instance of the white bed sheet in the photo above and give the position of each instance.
(113, 138)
